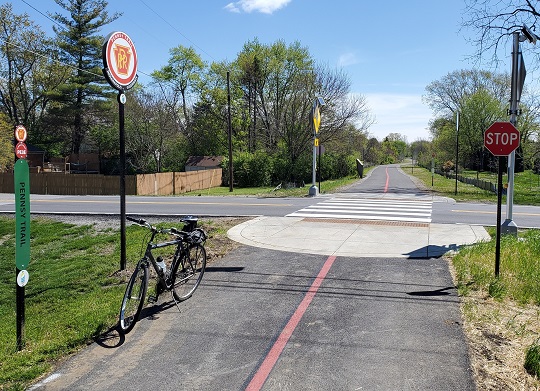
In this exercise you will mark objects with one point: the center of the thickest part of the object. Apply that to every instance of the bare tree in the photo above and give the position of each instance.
(494, 21)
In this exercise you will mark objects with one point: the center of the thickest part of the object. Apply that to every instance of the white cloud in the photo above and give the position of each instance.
(347, 59)
(263, 6)
(399, 113)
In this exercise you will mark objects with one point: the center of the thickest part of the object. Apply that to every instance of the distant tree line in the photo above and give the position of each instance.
(54, 86)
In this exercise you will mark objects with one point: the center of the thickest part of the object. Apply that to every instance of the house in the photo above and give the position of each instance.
(196, 163)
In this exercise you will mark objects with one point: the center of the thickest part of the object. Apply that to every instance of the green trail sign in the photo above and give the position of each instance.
(22, 214)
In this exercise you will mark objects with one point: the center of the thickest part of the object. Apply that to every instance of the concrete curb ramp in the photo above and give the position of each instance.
(356, 238)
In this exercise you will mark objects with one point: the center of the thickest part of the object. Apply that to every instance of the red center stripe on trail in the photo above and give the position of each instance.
(273, 355)
(387, 180)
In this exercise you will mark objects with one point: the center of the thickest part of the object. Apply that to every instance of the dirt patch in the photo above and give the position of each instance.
(498, 334)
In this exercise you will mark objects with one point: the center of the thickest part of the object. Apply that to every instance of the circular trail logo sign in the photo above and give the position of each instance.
(20, 133)
(120, 61)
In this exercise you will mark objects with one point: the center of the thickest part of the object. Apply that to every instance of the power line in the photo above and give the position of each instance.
(178, 31)
(47, 16)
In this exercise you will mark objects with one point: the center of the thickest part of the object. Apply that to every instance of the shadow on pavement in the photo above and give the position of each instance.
(431, 251)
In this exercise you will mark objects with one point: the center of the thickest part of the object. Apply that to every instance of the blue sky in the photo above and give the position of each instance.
(389, 49)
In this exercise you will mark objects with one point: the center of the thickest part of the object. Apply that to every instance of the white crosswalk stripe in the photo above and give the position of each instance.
(369, 209)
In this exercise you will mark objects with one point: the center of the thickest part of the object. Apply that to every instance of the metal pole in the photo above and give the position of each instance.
(230, 132)
(20, 313)
(121, 101)
(457, 147)
(319, 151)
(313, 190)
(499, 200)
(509, 227)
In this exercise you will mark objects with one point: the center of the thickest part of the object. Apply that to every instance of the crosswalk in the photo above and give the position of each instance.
(369, 209)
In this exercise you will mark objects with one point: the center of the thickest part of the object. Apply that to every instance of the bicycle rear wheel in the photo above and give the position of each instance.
(133, 298)
(188, 272)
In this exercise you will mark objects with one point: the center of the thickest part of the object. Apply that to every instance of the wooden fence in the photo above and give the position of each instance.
(167, 183)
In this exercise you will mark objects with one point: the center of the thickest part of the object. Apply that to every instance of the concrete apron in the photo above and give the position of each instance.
(356, 238)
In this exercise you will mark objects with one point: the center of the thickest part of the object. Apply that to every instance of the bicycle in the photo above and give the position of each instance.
(182, 277)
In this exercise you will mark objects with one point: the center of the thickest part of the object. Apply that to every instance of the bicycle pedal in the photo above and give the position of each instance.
(152, 299)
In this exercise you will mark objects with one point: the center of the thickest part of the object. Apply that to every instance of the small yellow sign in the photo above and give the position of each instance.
(316, 142)
(316, 119)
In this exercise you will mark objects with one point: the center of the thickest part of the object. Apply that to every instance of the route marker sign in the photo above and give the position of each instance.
(501, 138)
(21, 150)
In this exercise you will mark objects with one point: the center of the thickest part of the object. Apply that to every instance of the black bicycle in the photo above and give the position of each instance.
(182, 277)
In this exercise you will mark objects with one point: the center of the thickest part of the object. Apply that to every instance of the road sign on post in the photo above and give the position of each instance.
(501, 138)
(120, 70)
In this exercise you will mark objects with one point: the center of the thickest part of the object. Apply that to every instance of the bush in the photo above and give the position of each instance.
(250, 169)
(532, 360)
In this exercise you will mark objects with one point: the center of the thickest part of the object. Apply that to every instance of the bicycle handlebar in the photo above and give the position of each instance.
(197, 235)
(137, 221)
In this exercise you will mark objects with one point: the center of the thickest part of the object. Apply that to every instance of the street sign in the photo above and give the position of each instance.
(316, 118)
(501, 138)
(20, 133)
(119, 61)
(22, 214)
(21, 150)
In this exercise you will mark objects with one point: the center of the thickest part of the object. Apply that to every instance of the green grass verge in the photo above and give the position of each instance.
(73, 294)
(446, 187)
(327, 187)
(526, 186)
(519, 268)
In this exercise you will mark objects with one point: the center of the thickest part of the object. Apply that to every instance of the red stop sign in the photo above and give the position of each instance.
(501, 138)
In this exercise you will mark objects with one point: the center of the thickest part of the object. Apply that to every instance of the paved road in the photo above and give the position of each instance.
(443, 210)
(274, 320)
(373, 324)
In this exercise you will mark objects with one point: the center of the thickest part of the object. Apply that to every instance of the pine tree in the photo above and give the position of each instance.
(80, 42)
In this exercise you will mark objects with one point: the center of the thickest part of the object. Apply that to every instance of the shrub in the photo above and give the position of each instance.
(532, 360)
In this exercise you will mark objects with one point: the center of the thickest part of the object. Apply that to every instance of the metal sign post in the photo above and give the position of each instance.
(120, 70)
(21, 183)
(501, 139)
(315, 123)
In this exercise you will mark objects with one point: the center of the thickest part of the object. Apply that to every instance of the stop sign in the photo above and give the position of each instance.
(501, 138)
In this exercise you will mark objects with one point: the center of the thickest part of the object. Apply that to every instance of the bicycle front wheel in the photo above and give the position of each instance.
(188, 272)
(134, 298)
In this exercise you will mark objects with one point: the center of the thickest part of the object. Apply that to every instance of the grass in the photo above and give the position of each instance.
(73, 294)
(501, 313)
(526, 186)
(326, 187)
(519, 268)
(446, 187)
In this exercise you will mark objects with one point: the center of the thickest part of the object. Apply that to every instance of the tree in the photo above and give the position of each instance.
(30, 71)
(495, 21)
(479, 111)
(6, 145)
(151, 144)
(443, 132)
(280, 83)
(446, 95)
(80, 43)
(179, 78)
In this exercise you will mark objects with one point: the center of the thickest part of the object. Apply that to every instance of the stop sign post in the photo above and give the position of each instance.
(501, 138)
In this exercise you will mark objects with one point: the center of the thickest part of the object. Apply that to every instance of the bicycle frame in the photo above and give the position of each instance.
(149, 256)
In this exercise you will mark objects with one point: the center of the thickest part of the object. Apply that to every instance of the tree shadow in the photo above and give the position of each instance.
(431, 251)
(435, 292)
